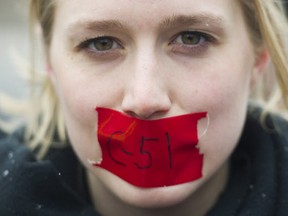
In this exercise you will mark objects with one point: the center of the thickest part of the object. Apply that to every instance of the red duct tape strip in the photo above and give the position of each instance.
(150, 153)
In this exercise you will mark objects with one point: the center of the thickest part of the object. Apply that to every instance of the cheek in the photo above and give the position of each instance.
(81, 120)
(80, 91)
(225, 97)
(78, 108)
(224, 92)
(77, 104)
(218, 89)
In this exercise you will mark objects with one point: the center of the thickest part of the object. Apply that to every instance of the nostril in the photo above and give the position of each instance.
(146, 101)
(140, 110)
(151, 110)
(132, 114)
(147, 116)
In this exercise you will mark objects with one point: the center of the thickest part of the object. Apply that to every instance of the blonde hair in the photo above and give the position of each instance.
(265, 21)
(274, 31)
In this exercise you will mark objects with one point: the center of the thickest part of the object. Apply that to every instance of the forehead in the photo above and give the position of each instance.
(141, 13)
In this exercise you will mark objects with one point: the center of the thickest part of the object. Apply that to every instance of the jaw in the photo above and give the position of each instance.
(198, 196)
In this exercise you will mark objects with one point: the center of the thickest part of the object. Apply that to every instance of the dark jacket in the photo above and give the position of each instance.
(258, 183)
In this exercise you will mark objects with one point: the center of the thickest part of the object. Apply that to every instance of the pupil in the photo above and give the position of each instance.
(190, 38)
(103, 44)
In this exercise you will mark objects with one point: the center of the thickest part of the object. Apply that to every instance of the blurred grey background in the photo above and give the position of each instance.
(14, 40)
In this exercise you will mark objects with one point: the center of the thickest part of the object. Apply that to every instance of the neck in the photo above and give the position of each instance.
(198, 204)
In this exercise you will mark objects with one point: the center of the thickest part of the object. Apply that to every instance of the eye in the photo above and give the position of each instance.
(193, 43)
(190, 38)
(100, 44)
(103, 44)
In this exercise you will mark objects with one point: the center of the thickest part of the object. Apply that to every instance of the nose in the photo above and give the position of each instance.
(146, 95)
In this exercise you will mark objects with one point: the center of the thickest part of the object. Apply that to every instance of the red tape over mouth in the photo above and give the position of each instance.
(150, 153)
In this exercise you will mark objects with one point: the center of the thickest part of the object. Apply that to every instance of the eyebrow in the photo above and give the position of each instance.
(173, 21)
(99, 25)
(200, 19)
(76, 29)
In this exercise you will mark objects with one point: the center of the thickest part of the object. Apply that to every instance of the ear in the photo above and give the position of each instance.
(262, 60)
(51, 76)
(49, 67)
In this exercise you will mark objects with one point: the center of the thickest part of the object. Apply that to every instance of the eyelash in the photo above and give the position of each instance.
(205, 40)
(177, 46)
(87, 45)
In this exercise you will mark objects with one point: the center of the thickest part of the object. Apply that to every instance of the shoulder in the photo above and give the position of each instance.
(265, 136)
(259, 165)
(13, 154)
(12, 148)
(36, 186)
(272, 126)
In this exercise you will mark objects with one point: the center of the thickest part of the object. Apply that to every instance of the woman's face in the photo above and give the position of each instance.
(151, 60)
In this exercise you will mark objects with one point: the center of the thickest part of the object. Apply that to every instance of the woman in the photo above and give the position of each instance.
(153, 97)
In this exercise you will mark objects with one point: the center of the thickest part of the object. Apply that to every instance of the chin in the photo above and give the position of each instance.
(153, 198)
(161, 197)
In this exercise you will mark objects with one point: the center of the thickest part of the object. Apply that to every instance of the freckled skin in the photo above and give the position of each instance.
(150, 74)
